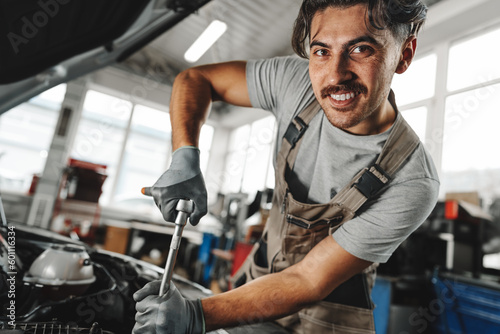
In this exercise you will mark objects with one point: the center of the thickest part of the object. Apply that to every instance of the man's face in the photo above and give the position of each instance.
(351, 69)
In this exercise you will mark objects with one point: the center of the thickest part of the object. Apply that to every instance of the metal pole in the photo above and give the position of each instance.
(185, 208)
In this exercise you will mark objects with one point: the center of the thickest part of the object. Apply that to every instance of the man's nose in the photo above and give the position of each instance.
(339, 70)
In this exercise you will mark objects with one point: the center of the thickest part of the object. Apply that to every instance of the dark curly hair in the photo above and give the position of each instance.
(402, 17)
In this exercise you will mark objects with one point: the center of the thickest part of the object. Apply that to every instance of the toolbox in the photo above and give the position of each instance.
(466, 305)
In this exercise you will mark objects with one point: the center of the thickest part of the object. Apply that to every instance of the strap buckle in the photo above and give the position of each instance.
(292, 134)
(371, 181)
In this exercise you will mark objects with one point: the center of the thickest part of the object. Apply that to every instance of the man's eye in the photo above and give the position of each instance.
(320, 52)
(362, 50)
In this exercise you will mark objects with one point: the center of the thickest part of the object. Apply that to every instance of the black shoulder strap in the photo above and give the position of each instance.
(293, 134)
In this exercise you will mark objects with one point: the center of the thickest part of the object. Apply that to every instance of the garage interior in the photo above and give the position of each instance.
(73, 160)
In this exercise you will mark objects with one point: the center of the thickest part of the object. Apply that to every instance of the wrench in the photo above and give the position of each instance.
(185, 208)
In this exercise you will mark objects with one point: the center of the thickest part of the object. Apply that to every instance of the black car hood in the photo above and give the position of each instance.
(39, 34)
(47, 42)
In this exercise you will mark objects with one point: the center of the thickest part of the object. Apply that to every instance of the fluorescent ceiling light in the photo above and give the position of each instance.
(207, 38)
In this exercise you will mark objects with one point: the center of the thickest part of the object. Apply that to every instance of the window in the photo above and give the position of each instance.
(146, 153)
(235, 160)
(470, 161)
(133, 141)
(417, 119)
(413, 90)
(417, 83)
(26, 133)
(205, 143)
(474, 61)
(249, 162)
(101, 135)
(259, 155)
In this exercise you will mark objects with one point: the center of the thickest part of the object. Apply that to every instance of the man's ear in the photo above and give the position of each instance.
(407, 54)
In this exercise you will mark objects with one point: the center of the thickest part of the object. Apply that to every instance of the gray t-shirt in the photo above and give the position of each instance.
(329, 158)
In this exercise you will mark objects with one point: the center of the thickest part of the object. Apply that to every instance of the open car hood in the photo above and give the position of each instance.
(47, 42)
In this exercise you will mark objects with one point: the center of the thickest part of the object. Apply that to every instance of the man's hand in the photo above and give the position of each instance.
(183, 180)
(169, 314)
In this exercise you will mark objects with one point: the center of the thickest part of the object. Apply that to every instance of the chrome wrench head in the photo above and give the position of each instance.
(186, 206)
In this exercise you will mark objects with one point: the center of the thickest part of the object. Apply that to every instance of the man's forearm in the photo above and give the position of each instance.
(273, 296)
(196, 88)
(267, 298)
(189, 107)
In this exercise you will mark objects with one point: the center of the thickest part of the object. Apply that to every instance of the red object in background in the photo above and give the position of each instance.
(87, 165)
(34, 183)
(85, 180)
(241, 251)
(451, 210)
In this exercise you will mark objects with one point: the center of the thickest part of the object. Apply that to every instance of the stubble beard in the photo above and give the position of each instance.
(345, 119)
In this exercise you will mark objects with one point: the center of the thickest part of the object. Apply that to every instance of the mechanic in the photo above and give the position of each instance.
(352, 178)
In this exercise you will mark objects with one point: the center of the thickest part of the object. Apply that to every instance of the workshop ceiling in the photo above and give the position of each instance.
(256, 29)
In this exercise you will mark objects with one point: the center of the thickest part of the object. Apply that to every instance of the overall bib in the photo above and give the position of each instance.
(294, 228)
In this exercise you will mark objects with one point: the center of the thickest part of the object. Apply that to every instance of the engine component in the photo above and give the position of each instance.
(51, 327)
(63, 269)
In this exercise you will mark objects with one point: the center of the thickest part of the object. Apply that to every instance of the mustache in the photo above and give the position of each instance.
(334, 89)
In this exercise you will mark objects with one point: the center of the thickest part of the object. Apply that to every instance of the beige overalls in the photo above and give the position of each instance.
(294, 228)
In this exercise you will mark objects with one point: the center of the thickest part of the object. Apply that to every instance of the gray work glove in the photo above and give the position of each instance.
(169, 314)
(183, 180)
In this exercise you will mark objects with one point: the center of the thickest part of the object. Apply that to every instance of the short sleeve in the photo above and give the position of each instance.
(376, 232)
(276, 81)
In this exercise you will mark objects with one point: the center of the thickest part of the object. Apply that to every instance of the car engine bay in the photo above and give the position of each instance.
(60, 285)
(50, 283)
